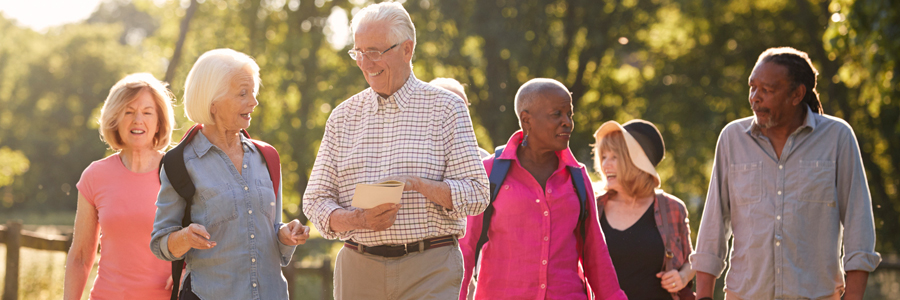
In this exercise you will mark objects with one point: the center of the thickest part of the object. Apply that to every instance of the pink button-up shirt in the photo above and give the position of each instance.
(533, 250)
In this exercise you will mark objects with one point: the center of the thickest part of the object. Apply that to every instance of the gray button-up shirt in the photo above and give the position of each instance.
(242, 214)
(789, 216)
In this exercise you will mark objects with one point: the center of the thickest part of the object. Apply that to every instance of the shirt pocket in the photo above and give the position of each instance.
(219, 205)
(817, 181)
(267, 199)
(745, 182)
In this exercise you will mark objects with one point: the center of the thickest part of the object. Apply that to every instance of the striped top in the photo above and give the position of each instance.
(420, 130)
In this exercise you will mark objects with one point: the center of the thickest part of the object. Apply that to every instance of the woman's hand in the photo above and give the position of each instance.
(293, 233)
(672, 281)
(194, 236)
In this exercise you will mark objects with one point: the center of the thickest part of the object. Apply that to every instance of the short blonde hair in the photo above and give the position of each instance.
(123, 93)
(209, 80)
(633, 180)
(451, 85)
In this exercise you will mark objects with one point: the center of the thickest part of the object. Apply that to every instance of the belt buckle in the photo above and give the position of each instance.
(405, 249)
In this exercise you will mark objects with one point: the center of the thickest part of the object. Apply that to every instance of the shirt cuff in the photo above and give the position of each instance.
(286, 251)
(861, 261)
(164, 247)
(707, 263)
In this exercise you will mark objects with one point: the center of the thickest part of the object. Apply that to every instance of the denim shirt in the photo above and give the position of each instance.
(791, 216)
(242, 214)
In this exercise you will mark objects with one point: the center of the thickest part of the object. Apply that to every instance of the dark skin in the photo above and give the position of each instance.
(548, 123)
(779, 110)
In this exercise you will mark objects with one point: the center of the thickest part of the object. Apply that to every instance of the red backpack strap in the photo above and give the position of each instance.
(270, 155)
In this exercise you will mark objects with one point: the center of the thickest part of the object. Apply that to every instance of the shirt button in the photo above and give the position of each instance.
(250, 211)
(780, 167)
(543, 286)
(537, 200)
(546, 238)
(272, 204)
(506, 187)
(246, 188)
(253, 260)
(778, 217)
(245, 166)
(546, 213)
(252, 236)
(779, 192)
(544, 262)
(254, 284)
(550, 191)
(777, 243)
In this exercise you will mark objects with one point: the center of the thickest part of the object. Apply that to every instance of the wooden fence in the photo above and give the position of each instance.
(15, 238)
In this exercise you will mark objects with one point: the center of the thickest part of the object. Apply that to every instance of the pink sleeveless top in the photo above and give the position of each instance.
(126, 207)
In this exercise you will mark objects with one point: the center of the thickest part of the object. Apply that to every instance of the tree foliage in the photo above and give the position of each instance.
(680, 64)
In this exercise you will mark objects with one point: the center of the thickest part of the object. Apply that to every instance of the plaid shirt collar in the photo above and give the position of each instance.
(401, 97)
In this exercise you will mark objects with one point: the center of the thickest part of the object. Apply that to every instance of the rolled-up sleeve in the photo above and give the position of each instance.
(465, 173)
(715, 224)
(169, 213)
(286, 251)
(321, 196)
(855, 204)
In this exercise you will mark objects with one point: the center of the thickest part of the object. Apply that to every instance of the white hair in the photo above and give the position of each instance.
(451, 85)
(401, 26)
(528, 93)
(210, 78)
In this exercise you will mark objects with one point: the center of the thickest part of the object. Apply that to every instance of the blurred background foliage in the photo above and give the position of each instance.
(680, 64)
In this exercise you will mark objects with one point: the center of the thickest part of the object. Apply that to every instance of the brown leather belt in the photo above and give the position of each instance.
(401, 250)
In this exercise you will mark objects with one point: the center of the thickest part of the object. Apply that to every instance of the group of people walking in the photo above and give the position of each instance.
(525, 222)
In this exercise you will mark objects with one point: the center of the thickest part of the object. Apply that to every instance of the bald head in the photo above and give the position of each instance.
(532, 91)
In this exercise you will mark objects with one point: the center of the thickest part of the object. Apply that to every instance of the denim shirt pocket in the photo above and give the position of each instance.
(818, 182)
(267, 199)
(219, 205)
(745, 182)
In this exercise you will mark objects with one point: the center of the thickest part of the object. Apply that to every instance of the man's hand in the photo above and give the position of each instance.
(293, 233)
(409, 182)
(437, 192)
(380, 217)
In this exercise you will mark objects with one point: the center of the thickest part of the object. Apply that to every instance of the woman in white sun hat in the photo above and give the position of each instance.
(647, 230)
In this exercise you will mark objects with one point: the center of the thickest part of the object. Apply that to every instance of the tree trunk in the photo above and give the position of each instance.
(176, 56)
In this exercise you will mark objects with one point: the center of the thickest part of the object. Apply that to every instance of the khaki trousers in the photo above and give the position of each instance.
(732, 296)
(433, 274)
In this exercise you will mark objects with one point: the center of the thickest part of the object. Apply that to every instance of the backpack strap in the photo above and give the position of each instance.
(176, 172)
(270, 156)
(498, 174)
(581, 190)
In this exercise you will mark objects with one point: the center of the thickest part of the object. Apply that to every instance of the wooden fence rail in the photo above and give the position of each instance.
(15, 238)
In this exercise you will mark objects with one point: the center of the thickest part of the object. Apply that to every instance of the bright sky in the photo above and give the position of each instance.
(42, 14)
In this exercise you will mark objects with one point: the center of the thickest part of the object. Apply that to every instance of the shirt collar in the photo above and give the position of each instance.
(566, 159)
(810, 121)
(401, 96)
(202, 145)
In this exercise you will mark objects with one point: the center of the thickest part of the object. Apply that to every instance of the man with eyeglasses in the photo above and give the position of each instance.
(398, 129)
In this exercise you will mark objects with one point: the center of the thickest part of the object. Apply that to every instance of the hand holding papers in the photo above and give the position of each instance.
(368, 196)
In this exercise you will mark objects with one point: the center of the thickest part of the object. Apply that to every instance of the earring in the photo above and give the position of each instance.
(525, 141)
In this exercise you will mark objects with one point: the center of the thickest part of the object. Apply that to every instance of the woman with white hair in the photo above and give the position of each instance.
(117, 196)
(235, 243)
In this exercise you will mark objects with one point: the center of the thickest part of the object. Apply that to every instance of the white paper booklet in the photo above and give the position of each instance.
(371, 195)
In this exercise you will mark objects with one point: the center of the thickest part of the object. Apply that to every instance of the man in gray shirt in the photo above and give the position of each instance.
(789, 184)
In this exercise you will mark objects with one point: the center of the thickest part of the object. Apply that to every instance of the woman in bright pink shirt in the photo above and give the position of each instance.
(117, 197)
(535, 248)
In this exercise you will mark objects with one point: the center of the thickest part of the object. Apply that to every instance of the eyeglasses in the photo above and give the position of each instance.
(373, 55)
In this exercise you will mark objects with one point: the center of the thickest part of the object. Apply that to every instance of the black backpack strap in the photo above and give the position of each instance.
(581, 190)
(178, 176)
(498, 174)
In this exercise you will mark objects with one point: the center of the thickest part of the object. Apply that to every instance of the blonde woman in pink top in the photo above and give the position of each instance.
(117, 197)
